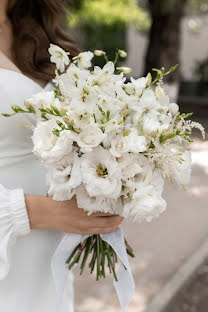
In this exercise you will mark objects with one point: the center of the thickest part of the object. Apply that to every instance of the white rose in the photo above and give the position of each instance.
(129, 165)
(136, 143)
(144, 208)
(90, 137)
(151, 124)
(101, 173)
(43, 138)
(47, 145)
(119, 146)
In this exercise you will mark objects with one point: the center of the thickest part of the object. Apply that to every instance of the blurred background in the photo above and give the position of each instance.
(157, 33)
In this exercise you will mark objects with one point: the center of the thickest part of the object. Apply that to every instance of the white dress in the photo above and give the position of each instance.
(26, 282)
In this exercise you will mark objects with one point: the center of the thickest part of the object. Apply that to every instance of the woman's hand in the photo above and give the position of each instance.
(45, 213)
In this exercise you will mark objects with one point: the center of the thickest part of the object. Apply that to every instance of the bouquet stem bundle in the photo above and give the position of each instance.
(101, 254)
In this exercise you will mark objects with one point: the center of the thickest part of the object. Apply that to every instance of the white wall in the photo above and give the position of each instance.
(194, 47)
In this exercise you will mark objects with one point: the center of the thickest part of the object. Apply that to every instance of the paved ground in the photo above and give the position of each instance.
(161, 246)
(193, 297)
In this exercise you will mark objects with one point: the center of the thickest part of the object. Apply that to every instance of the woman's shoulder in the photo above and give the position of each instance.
(7, 64)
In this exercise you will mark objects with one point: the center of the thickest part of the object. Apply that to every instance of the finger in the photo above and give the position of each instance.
(104, 222)
(102, 214)
(103, 230)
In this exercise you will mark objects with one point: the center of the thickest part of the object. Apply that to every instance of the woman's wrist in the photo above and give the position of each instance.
(37, 210)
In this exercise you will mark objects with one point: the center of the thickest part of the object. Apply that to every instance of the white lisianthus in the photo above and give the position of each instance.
(173, 108)
(91, 204)
(59, 57)
(101, 174)
(63, 177)
(89, 138)
(83, 60)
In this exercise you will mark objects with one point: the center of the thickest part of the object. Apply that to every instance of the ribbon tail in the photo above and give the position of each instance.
(125, 287)
(62, 276)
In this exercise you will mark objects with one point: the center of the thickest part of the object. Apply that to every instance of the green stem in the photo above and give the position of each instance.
(102, 256)
(110, 261)
(73, 253)
(98, 257)
(87, 251)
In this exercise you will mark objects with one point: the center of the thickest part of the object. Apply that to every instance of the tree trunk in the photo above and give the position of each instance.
(165, 36)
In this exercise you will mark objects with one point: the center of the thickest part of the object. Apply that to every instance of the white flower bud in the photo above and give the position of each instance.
(99, 52)
(122, 53)
(173, 108)
(129, 88)
(125, 70)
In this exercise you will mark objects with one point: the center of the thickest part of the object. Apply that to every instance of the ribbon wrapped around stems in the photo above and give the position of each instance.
(63, 278)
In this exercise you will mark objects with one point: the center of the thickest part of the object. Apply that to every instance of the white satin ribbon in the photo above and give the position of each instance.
(63, 278)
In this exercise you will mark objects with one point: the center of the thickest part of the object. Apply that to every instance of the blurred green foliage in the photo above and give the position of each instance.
(103, 23)
(199, 6)
(108, 12)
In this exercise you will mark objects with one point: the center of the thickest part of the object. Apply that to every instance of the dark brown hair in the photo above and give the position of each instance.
(36, 24)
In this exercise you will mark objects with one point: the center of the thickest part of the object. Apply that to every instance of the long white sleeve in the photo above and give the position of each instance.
(14, 223)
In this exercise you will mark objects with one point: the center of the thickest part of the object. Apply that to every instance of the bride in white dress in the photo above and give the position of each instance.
(31, 225)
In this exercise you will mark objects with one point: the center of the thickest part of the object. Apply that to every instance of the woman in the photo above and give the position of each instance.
(31, 225)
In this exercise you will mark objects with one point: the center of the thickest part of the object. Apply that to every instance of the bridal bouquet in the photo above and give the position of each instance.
(110, 142)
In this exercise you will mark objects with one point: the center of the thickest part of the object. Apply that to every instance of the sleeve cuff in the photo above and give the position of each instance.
(20, 220)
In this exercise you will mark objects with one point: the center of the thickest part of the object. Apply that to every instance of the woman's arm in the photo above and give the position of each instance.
(45, 213)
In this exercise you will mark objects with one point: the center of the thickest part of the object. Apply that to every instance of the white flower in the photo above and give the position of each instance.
(129, 143)
(125, 70)
(42, 100)
(101, 173)
(74, 77)
(122, 53)
(136, 143)
(63, 177)
(139, 85)
(47, 145)
(173, 108)
(59, 57)
(145, 208)
(151, 124)
(83, 60)
(83, 100)
(119, 146)
(90, 137)
(99, 52)
(129, 164)
(95, 204)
